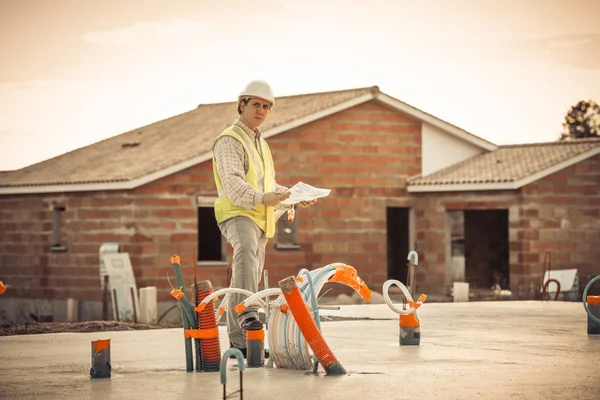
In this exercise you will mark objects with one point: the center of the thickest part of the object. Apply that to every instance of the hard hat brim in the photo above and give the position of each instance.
(250, 96)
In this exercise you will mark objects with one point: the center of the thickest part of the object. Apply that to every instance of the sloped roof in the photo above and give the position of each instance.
(508, 167)
(151, 152)
(161, 144)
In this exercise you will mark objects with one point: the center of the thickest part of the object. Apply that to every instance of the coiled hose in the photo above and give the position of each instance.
(302, 316)
(585, 306)
(388, 301)
(288, 347)
(413, 305)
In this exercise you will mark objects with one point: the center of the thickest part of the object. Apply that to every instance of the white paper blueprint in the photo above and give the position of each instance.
(303, 192)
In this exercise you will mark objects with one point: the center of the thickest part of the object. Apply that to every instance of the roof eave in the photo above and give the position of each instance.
(64, 188)
(461, 187)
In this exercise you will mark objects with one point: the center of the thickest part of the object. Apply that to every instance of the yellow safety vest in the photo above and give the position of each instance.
(262, 215)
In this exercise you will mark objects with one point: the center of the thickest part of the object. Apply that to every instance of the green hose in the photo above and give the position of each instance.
(187, 321)
(585, 306)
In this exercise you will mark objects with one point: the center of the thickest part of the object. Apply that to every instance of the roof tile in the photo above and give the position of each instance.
(162, 144)
(509, 163)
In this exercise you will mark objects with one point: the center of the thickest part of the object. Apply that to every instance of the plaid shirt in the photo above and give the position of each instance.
(233, 164)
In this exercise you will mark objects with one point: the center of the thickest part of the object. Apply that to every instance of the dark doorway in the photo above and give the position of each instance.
(398, 231)
(210, 246)
(486, 248)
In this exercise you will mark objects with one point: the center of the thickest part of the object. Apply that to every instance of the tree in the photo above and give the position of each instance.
(582, 121)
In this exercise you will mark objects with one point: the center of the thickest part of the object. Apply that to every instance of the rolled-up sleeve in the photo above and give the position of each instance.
(279, 189)
(229, 156)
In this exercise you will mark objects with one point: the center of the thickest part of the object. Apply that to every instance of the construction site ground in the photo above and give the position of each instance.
(476, 350)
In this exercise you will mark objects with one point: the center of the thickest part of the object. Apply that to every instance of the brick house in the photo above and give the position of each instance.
(401, 179)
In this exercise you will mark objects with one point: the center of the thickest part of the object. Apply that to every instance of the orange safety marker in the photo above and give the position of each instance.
(308, 327)
(200, 307)
(347, 275)
(593, 303)
(201, 333)
(593, 300)
(3, 287)
(284, 308)
(177, 293)
(240, 308)
(207, 320)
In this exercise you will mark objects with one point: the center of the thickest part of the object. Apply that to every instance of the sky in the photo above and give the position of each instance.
(75, 72)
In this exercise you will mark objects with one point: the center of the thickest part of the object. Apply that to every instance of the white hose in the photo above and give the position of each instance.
(226, 292)
(286, 342)
(256, 297)
(388, 301)
(288, 346)
(415, 255)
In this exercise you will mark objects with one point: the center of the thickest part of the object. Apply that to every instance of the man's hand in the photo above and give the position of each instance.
(307, 203)
(272, 198)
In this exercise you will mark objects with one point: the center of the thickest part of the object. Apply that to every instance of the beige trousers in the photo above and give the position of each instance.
(248, 242)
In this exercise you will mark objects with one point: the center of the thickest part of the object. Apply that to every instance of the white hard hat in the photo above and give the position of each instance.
(260, 89)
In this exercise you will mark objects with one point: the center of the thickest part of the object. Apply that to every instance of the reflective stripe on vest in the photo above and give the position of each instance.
(259, 176)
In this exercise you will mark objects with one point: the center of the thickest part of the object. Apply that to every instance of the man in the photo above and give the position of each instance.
(248, 195)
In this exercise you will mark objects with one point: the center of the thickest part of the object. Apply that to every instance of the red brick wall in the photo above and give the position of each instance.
(559, 213)
(433, 231)
(364, 154)
(27, 263)
(562, 215)
(151, 223)
(167, 224)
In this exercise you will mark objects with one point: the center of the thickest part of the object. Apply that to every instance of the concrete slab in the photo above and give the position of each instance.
(487, 350)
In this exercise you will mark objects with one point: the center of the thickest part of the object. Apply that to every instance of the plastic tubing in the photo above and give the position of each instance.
(288, 347)
(585, 306)
(223, 369)
(293, 350)
(315, 306)
(226, 292)
(256, 298)
(301, 313)
(210, 347)
(545, 289)
(388, 301)
(187, 322)
(277, 343)
(411, 269)
(313, 296)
